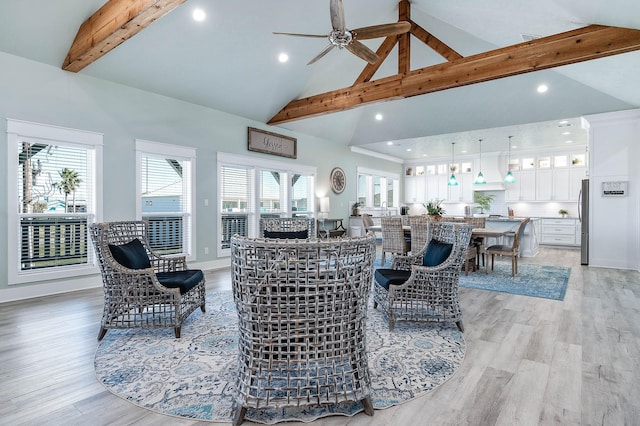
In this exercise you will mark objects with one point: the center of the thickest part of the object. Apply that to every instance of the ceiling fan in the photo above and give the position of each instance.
(341, 37)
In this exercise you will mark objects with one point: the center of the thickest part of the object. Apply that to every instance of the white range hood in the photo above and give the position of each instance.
(489, 186)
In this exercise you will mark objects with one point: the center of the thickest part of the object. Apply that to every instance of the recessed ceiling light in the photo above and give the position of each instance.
(568, 141)
(542, 88)
(564, 123)
(424, 155)
(566, 133)
(199, 15)
(389, 143)
(378, 116)
(409, 149)
(283, 57)
(464, 151)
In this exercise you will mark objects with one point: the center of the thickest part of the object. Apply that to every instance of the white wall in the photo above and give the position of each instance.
(614, 155)
(35, 92)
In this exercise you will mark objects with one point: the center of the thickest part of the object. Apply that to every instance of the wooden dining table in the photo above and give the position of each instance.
(475, 233)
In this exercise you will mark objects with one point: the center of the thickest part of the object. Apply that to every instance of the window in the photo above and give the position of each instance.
(165, 189)
(250, 188)
(54, 194)
(378, 189)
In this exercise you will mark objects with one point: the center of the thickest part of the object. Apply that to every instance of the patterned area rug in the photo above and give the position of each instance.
(545, 281)
(193, 376)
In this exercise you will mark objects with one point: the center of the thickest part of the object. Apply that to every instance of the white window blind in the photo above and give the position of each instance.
(235, 202)
(165, 174)
(302, 186)
(54, 195)
(54, 184)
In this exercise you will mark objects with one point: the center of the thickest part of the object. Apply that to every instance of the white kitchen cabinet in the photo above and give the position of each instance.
(544, 185)
(437, 188)
(577, 174)
(559, 232)
(414, 189)
(524, 187)
(561, 185)
(464, 190)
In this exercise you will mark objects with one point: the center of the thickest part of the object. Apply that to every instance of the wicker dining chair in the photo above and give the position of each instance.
(143, 289)
(419, 232)
(302, 308)
(287, 227)
(512, 250)
(394, 240)
(424, 286)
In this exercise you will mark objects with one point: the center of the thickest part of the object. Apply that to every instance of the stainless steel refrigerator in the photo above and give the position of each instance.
(583, 216)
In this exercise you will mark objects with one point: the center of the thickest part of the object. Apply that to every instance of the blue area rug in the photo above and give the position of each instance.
(545, 281)
(193, 377)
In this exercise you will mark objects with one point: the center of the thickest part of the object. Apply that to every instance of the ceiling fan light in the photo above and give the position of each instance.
(480, 180)
(509, 178)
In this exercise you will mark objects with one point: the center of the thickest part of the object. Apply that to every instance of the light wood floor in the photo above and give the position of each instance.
(529, 361)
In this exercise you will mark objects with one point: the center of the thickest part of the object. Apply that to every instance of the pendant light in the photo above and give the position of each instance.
(480, 180)
(509, 178)
(452, 180)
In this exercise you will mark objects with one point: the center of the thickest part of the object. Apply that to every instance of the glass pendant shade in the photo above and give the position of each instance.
(480, 180)
(452, 180)
(509, 178)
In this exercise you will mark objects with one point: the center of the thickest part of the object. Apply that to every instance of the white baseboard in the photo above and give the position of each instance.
(48, 288)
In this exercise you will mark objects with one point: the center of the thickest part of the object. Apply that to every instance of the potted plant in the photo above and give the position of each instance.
(563, 213)
(434, 208)
(355, 209)
(483, 201)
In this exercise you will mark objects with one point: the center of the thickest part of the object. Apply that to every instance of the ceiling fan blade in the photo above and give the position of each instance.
(362, 51)
(321, 54)
(382, 30)
(302, 35)
(337, 15)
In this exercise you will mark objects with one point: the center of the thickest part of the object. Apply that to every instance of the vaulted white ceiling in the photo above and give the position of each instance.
(230, 62)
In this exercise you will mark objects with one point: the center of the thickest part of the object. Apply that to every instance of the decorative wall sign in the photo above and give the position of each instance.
(338, 180)
(272, 143)
(615, 189)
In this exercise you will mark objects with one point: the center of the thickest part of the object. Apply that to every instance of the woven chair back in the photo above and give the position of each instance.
(419, 232)
(301, 307)
(287, 224)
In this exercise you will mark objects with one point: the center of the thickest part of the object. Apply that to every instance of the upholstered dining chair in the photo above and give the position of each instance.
(367, 222)
(419, 231)
(143, 289)
(287, 227)
(302, 308)
(478, 243)
(393, 239)
(424, 286)
(512, 250)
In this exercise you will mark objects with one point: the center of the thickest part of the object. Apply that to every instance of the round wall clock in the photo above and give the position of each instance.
(338, 180)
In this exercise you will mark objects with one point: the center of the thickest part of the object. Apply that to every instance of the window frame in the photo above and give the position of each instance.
(146, 148)
(384, 178)
(82, 139)
(257, 165)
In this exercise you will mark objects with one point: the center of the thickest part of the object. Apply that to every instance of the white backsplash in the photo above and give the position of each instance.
(499, 206)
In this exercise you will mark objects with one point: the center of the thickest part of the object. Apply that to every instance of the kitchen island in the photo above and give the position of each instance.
(529, 243)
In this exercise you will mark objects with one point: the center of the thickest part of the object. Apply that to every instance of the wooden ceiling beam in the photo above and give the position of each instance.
(383, 51)
(434, 43)
(115, 22)
(583, 44)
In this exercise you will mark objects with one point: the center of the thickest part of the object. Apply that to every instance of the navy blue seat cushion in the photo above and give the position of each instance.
(131, 255)
(303, 235)
(184, 280)
(387, 277)
(436, 253)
